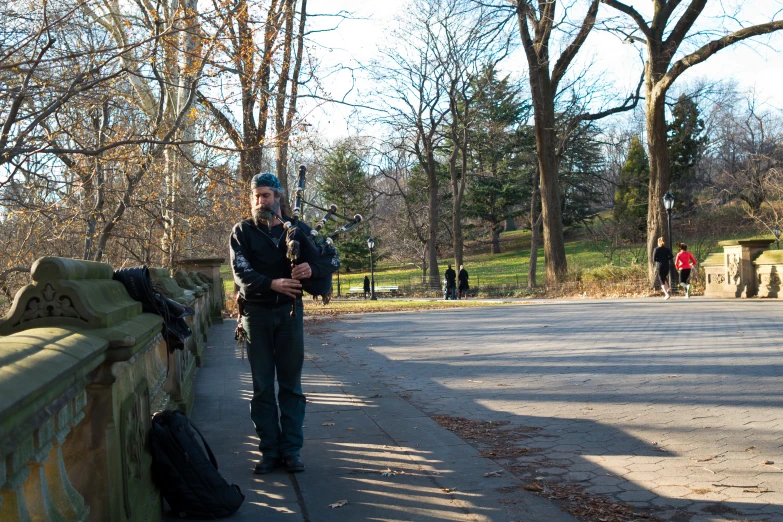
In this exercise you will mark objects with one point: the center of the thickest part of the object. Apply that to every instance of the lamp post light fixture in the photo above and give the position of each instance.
(776, 231)
(668, 204)
(371, 245)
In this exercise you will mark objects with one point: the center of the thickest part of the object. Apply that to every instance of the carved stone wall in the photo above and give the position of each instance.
(73, 431)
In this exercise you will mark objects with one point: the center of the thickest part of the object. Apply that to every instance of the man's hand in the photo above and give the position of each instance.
(289, 287)
(302, 271)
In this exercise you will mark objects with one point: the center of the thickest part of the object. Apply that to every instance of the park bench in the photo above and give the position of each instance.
(389, 289)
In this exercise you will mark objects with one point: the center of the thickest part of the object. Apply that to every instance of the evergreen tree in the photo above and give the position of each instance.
(502, 154)
(344, 183)
(685, 147)
(581, 164)
(630, 200)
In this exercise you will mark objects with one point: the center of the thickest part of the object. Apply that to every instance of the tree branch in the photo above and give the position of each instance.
(713, 47)
(561, 66)
(633, 13)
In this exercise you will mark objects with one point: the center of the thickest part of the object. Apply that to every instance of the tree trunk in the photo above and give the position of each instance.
(554, 243)
(535, 226)
(434, 210)
(496, 229)
(660, 175)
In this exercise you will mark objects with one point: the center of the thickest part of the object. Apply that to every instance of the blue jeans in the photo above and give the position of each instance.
(451, 292)
(275, 345)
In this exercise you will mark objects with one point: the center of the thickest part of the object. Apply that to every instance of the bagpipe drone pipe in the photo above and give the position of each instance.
(316, 248)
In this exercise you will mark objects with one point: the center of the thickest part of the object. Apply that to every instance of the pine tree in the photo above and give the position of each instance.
(344, 184)
(501, 154)
(630, 200)
(685, 147)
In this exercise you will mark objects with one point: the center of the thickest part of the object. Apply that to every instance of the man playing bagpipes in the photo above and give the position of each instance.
(273, 259)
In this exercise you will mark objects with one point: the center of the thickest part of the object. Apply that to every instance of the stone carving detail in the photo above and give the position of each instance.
(52, 305)
(734, 268)
(135, 418)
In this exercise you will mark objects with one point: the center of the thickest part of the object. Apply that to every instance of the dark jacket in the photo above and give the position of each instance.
(366, 284)
(662, 255)
(256, 261)
(451, 278)
(463, 279)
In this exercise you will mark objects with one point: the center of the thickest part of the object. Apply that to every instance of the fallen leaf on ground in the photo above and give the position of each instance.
(339, 503)
(706, 459)
(446, 490)
(350, 429)
(328, 424)
(493, 474)
(534, 486)
(768, 462)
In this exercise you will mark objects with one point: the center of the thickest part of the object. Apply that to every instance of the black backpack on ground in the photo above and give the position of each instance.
(189, 481)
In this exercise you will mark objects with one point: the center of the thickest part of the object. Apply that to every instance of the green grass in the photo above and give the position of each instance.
(586, 257)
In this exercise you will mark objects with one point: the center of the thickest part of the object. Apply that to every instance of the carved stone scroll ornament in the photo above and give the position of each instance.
(49, 304)
(734, 268)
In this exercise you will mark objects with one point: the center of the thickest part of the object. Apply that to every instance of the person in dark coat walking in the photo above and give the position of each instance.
(451, 283)
(463, 282)
(662, 257)
(366, 286)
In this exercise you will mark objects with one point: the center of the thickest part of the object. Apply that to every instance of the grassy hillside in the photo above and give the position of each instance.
(588, 258)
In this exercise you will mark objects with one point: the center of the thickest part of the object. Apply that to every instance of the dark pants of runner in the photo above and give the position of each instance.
(685, 275)
(663, 273)
(275, 345)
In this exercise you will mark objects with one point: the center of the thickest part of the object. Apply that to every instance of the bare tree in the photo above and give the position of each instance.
(537, 21)
(664, 34)
(416, 104)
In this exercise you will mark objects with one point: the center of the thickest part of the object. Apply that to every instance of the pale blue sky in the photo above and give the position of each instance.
(758, 64)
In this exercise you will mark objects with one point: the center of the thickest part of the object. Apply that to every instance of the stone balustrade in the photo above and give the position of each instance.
(209, 268)
(82, 371)
(745, 268)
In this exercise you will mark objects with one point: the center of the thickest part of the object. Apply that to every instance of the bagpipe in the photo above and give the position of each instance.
(315, 248)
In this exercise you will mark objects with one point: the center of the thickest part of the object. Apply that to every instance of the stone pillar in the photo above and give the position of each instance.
(210, 267)
(738, 258)
(97, 360)
(714, 275)
(769, 273)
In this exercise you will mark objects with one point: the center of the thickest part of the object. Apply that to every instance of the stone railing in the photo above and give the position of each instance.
(82, 371)
(746, 268)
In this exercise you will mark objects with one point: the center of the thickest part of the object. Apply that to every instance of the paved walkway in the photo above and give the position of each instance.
(363, 443)
(668, 405)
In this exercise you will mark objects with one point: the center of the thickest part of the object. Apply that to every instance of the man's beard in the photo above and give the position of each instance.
(265, 214)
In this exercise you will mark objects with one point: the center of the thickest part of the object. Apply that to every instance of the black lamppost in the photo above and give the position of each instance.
(371, 245)
(338, 282)
(776, 231)
(668, 204)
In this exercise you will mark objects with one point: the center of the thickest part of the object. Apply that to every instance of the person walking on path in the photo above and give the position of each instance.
(463, 282)
(451, 283)
(662, 256)
(366, 286)
(684, 262)
(268, 288)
